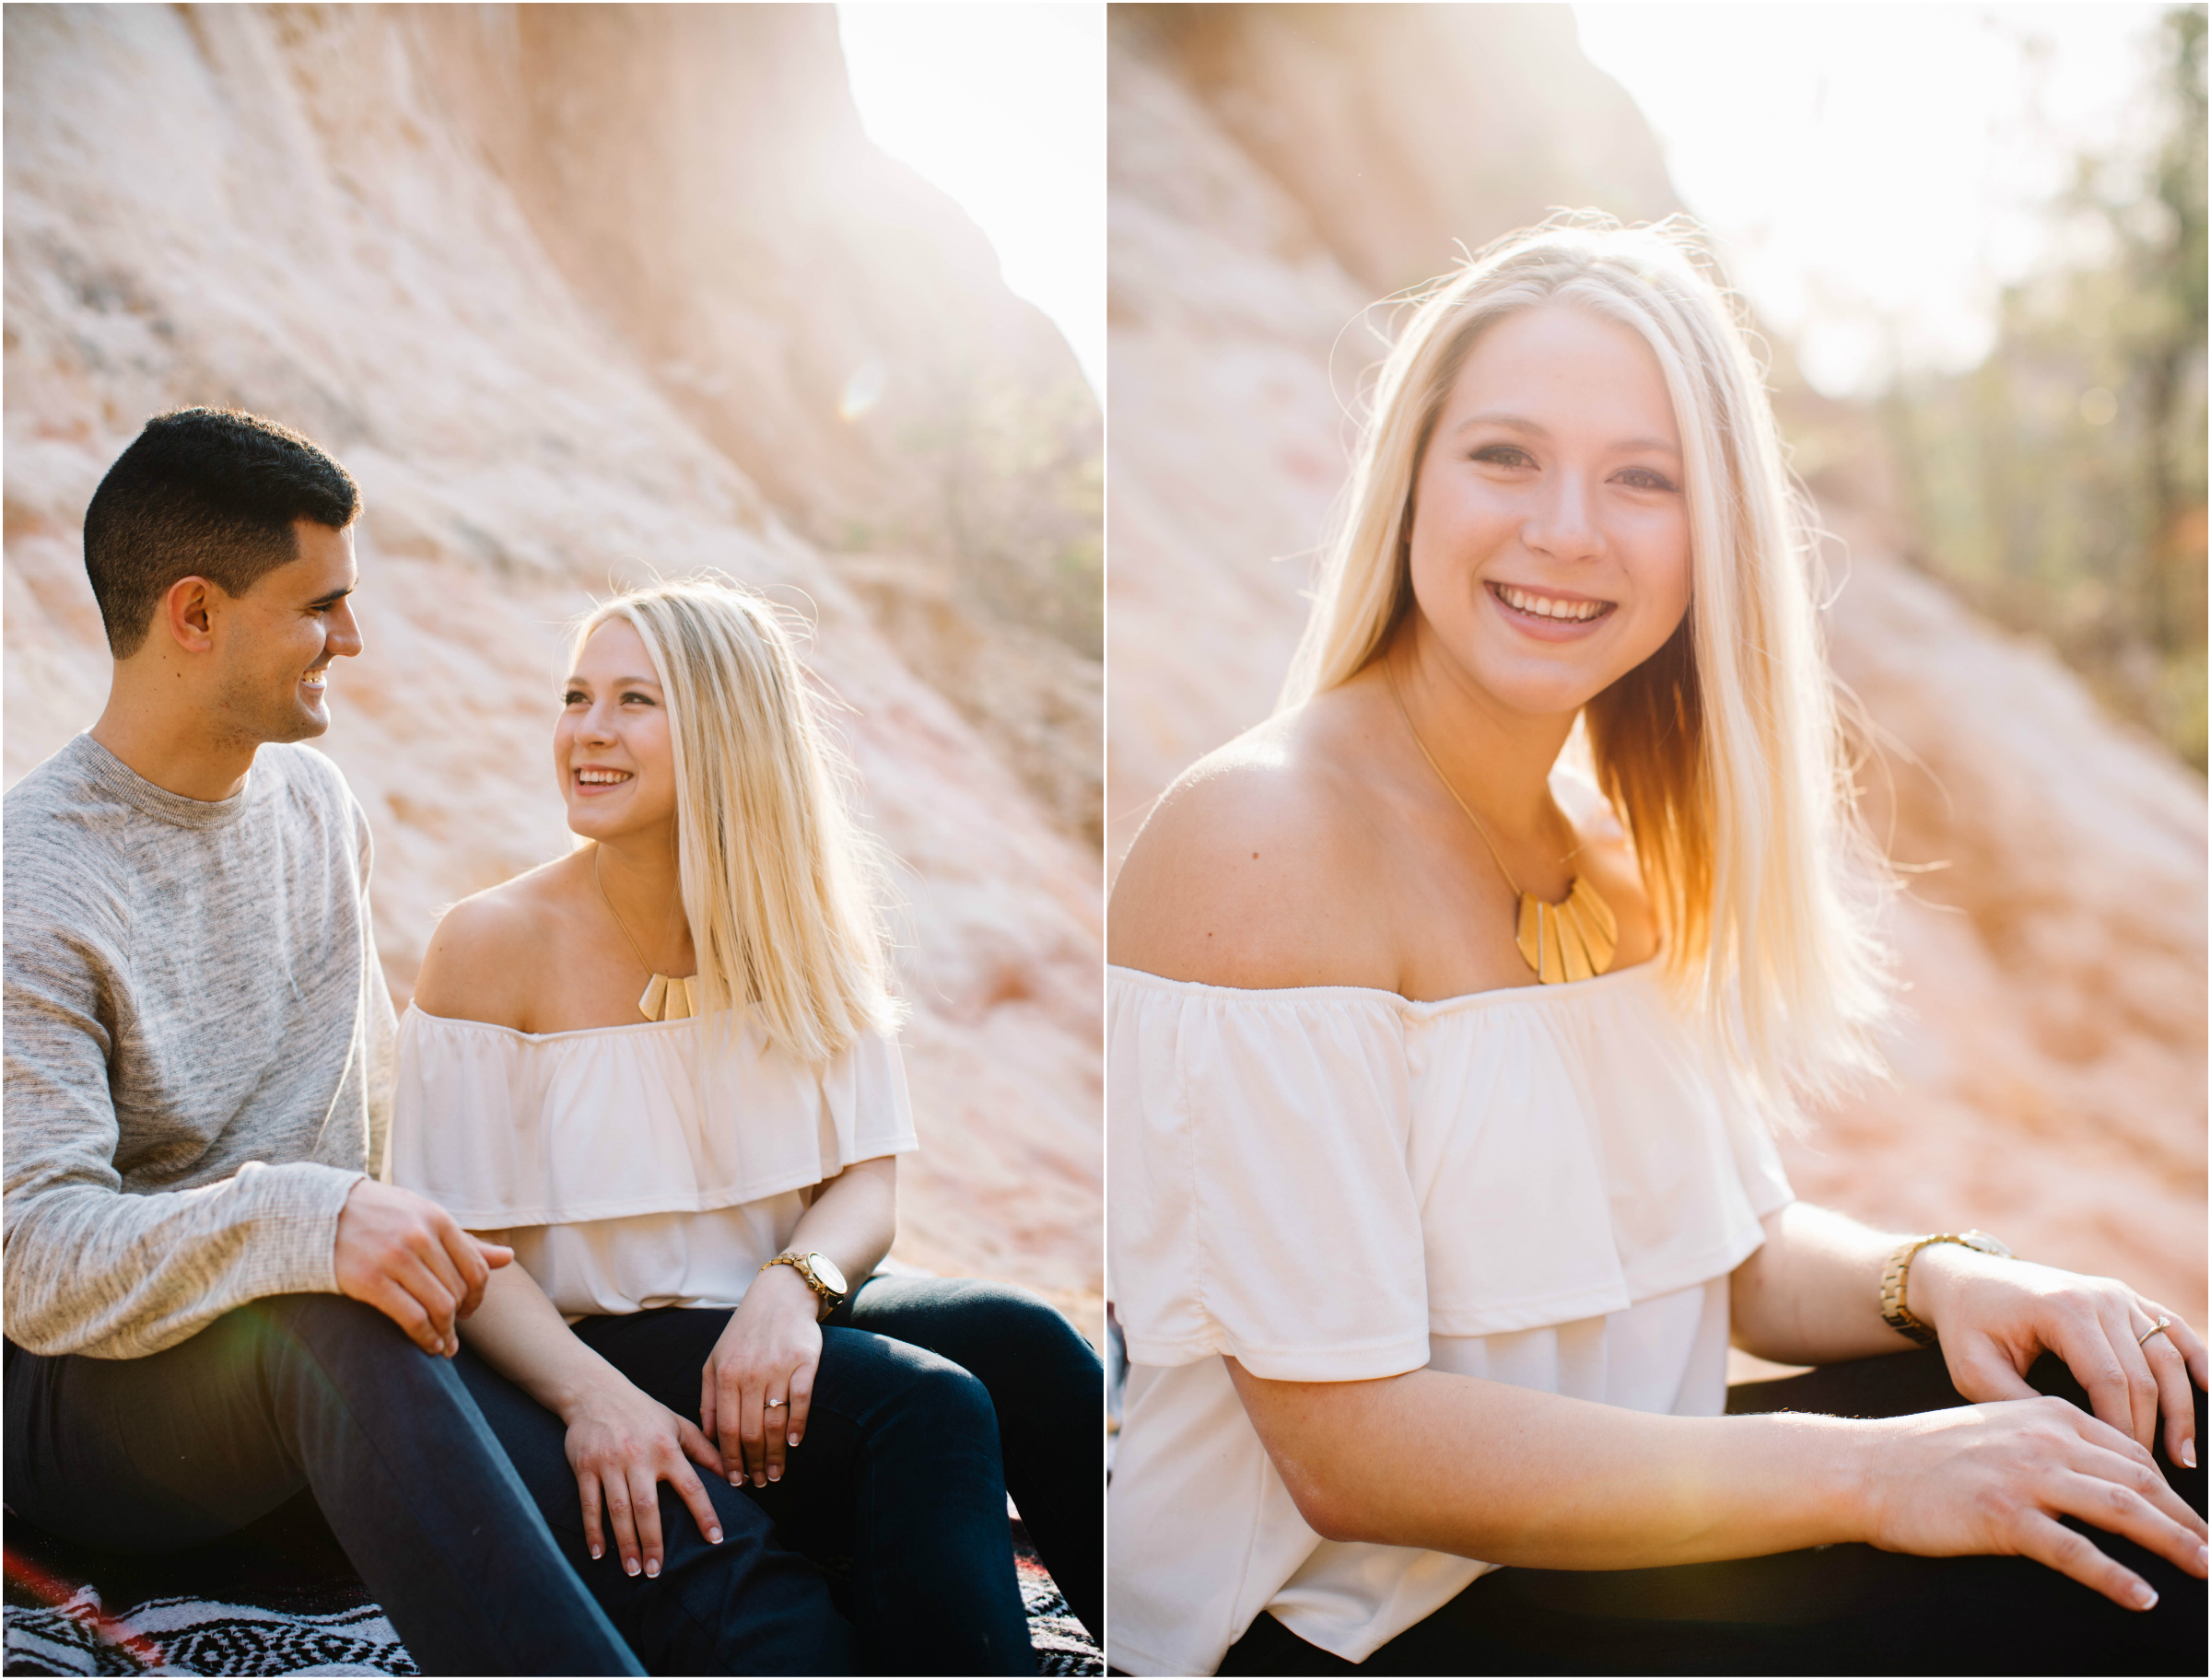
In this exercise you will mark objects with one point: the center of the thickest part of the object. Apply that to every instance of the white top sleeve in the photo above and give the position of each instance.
(1261, 1202)
(509, 1129)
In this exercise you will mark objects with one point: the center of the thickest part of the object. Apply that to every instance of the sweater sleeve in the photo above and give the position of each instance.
(88, 1268)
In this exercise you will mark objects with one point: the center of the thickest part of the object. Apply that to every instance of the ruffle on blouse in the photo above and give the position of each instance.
(1316, 1179)
(508, 1128)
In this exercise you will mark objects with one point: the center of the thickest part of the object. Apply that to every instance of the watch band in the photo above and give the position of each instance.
(831, 1299)
(1897, 1274)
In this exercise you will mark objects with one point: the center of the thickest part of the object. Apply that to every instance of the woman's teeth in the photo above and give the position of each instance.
(601, 779)
(1545, 606)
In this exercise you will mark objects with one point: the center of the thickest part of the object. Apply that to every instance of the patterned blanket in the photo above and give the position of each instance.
(280, 1599)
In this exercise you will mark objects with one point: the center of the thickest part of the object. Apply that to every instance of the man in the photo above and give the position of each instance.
(208, 1300)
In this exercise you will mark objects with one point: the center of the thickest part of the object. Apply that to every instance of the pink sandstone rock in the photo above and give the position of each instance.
(1273, 169)
(436, 242)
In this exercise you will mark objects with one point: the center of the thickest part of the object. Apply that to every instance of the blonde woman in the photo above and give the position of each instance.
(1441, 1089)
(663, 1069)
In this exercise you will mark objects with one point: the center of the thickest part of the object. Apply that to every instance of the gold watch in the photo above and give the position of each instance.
(821, 1277)
(1896, 1275)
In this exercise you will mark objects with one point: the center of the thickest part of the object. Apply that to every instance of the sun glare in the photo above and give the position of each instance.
(1003, 108)
(1875, 172)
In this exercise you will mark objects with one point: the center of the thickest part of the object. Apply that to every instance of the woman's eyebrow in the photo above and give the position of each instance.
(574, 681)
(1536, 428)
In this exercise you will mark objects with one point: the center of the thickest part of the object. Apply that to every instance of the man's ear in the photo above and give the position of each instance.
(187, 610)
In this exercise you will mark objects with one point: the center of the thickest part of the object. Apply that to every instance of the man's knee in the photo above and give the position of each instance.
(342, 1346)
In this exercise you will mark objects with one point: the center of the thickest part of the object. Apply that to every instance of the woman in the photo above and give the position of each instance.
(662, 1069)
(1441, 1086)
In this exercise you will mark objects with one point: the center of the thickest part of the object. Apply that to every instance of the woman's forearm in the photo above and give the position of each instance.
(854, 1217)
(1812, 1293)
(1514, 1476)
(520, 1335)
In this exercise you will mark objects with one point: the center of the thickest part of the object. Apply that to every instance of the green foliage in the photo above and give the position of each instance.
(2059, 485)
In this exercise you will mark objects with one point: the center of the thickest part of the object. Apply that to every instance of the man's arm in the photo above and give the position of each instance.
(88, 1269)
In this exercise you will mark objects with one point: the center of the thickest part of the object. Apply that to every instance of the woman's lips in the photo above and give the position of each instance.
(1569, 617)
(594, 790)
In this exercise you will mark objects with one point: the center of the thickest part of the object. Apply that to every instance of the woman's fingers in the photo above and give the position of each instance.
(698, 1446)
(729, 1418)
(645, 1511)
(2047, 1541)
(2192, 1348)
(693, 1492)
(775, 1432)
(2176, 1396)
(2086, 1348)
(750, 1429)
(2137, 1504)
(621, 1518)
(587, 1488)
(801, 1402)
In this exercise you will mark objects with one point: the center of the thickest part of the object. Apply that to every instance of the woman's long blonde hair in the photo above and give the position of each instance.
(1722, 752)
(782, 889)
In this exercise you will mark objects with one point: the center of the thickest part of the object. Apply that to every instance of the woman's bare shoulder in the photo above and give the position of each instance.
(486, 949)
(1253, 870)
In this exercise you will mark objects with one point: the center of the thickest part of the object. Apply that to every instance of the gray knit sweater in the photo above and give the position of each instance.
(197, 1044)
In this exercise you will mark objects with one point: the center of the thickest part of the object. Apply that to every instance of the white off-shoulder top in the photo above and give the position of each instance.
(1546, 1186)
(627, 1171)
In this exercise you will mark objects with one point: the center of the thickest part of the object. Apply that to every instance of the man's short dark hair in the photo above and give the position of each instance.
(204, 493)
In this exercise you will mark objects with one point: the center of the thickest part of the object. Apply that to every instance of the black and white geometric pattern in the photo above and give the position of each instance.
(197, 1636)
(57, 1623)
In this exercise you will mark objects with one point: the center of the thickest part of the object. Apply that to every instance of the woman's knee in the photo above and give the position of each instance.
(883, 1381)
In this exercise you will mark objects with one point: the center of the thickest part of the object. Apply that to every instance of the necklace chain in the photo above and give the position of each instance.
(1390, 670)
(609, 903)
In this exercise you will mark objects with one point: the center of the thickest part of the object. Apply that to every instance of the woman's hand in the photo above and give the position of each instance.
(768, 1354)
(1996, 1478)
(1997, 1316)
(622, 1444)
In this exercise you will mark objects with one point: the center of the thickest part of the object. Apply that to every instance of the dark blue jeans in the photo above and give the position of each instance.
(1844, 1609)
(935, 1396)
(193, 1442)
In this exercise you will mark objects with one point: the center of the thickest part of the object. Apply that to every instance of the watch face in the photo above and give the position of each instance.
(826, 1269)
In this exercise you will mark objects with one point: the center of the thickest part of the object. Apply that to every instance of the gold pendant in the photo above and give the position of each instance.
(667, 998)
(1574, 940)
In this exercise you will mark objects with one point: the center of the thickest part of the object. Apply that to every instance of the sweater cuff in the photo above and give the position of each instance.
(296, 1225)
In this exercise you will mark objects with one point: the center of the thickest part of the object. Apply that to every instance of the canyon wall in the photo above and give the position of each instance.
(582, 294)
(1276, 169)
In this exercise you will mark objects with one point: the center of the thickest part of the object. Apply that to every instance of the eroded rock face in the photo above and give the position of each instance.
(569, 332)
(1273, 169)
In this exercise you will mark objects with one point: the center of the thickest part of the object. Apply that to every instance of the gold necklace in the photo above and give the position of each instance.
(666, 997)
(1574, 940)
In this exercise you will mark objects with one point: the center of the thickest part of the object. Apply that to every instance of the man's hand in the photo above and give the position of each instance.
(402, 1254)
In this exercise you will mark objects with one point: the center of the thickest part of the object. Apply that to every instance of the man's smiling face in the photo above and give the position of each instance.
(277, 640)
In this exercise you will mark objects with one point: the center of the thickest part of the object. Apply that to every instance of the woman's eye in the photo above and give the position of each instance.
(1642, 478)
(1504, 455)
(572, 699)
(640, 699)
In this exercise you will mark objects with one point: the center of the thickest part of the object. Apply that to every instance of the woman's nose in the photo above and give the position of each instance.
(1565, 525)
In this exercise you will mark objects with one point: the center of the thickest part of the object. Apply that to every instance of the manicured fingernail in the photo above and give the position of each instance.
(2203, 1558)
(2144, 1598)
(2188, 1453)
(596, 1552)
(652, 1567)
(759, 1480)
(776, 1474)
(629, 1566)
(794, 1442)
(737, 1480)
(714, 1536)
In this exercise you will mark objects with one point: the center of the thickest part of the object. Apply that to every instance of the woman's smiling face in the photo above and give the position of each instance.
(1549, 536)
(610, 748)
